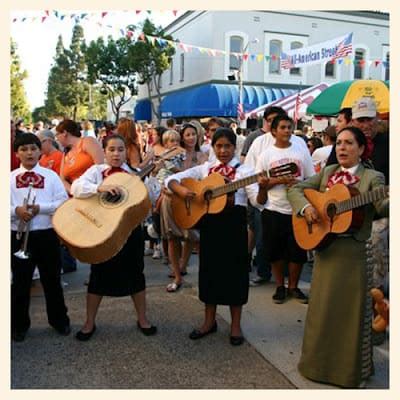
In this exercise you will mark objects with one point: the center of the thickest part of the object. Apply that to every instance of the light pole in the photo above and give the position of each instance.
(242, 122)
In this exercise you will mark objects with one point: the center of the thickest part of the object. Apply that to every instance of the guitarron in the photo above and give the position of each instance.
(96, 228)
(340, 210)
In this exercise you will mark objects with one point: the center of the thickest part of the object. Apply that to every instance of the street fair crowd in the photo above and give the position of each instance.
(274, 197)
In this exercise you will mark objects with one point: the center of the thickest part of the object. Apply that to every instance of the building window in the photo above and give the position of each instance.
(182, 69)
(275, 49)
(387, 68)
(359, 69)
(235, 46)
(171, 73)
(293, 46)
(330, 70)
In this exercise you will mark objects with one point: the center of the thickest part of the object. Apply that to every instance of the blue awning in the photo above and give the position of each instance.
(218, 100)
(142, 111)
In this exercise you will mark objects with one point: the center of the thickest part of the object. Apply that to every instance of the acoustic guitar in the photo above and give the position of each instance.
(211, 194)
(340, 210)
(95, 229)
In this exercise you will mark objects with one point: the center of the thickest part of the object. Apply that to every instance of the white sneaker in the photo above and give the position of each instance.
(156, 254)
(36, 274)
(148, 251)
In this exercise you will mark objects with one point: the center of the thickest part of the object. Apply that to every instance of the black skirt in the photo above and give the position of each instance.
(223, 271)
(122, 275)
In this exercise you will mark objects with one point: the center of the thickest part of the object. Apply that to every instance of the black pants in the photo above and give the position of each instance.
(44, 249)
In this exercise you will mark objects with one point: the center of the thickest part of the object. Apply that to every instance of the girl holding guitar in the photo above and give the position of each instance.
(337, 345)
(223, 272)
(122, 275)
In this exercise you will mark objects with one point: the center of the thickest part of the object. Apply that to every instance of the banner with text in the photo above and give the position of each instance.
(318, 53)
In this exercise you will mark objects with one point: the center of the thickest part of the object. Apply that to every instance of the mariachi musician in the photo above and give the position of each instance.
(122, 275)
(337, 345)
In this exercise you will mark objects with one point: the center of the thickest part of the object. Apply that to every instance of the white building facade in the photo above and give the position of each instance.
(195, 75)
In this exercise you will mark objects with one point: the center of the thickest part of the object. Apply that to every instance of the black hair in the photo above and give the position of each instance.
(347, 113)
(279, 118)
(113, 136)
(70, 126)
(357, 133)
(316, 142)
(171, 122)
(224, 132)
(27, 138)
(273, 110)
(182, 131)
(160, 130)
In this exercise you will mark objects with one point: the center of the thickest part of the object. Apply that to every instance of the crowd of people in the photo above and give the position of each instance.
(67, 159)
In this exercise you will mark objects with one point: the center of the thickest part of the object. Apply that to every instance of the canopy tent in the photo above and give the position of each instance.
(288, 103)
(217, 99)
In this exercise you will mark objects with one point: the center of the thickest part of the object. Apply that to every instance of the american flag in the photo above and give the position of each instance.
(286, 61)
(296, 113)
(240, 112)
(345, 47)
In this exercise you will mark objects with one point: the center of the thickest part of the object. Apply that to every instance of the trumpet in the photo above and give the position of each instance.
(25, 227)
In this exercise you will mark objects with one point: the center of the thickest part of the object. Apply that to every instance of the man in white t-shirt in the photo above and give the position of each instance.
(279, 241)
(320, 155)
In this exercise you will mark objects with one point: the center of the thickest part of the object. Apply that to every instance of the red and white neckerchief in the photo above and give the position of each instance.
(344, 177)
(225, 170)
(23, 180)
(112, 170)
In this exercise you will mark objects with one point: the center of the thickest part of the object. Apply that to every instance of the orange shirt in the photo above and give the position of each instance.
(52, 161)
(77, 163)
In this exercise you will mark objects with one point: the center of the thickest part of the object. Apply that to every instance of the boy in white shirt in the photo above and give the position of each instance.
(43, 246)
(279, 242)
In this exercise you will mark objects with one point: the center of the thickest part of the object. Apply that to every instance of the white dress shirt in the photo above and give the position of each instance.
(49, 198)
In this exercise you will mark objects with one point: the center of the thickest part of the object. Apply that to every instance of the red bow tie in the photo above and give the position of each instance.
(23, 180)
(344, 177)
(225, 170)
(112, 170)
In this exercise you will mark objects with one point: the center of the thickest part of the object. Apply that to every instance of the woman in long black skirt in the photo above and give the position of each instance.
(223, 271)
(122, 275)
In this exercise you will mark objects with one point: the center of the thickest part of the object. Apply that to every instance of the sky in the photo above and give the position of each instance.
(36, 40)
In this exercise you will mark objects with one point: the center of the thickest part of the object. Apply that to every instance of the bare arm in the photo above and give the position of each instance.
(93, 148)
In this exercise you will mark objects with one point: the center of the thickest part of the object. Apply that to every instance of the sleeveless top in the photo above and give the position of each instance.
(75, 165)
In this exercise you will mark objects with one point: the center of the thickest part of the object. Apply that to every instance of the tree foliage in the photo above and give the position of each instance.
(19, 103)
(67, 89)
(108, 65)
(150, 61)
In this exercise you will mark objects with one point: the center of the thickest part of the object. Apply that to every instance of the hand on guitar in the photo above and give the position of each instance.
(181, 190)
(288, 180)
(112, 189)
(311, 215)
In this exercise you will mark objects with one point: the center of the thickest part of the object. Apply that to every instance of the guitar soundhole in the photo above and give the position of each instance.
(207, 195)
(109, 200)
(331, 210)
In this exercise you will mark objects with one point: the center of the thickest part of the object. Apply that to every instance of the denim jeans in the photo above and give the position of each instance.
(263, 267)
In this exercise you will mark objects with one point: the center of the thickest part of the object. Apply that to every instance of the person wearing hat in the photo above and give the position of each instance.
(51, 157)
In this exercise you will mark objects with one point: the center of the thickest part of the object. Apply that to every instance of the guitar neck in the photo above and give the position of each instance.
(145, 171)
(233, 186)
(362, 199)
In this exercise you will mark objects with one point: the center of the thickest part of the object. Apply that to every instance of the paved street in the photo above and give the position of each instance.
(119, 356)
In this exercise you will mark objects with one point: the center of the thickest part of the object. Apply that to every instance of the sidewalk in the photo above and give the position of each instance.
(273, 332)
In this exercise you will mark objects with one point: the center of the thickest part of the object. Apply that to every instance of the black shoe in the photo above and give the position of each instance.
(280, 295)
(63, 330)
(197, 334)
(148, 331)
(297, 294)
(18, 336)
(84, 337)
(236, 340)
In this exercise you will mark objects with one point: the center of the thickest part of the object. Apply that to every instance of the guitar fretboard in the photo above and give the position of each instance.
(232, 186)
(362, 199)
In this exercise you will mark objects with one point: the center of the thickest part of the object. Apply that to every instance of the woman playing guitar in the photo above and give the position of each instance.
(337, 338)
(223, 270)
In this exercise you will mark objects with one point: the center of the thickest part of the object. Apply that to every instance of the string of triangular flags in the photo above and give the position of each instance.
(186, 48)
(60, 15)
